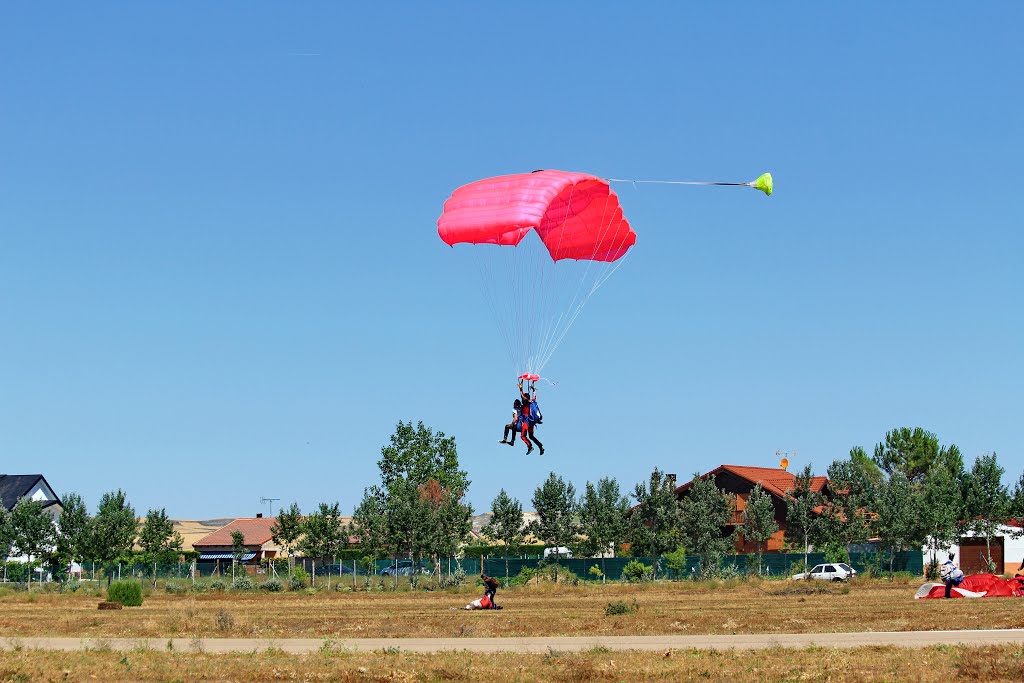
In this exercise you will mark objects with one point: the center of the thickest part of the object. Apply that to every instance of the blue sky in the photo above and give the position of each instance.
(221, 280)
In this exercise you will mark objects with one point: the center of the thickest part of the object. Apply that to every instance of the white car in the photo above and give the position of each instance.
(836, 571)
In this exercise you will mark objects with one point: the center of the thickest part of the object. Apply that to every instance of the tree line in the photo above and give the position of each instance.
(910, 492)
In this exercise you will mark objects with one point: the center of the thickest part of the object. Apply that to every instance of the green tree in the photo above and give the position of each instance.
(912, 452)
(6, 533)
(417, 455)
(986, 500)
(32, 530)
(759, 523)
(655, 522)
(899, 516)
(942, 509)
(158, 537)
(801, 515)
(863, 463)
(323, 535)
(418, 509)
(603, 513)
(369, 524)
(846, 517)
(1017, 499)
(705, 511)
(237, 549)
(113, 529)
(74, 528)
(506, 524)
(555, 504)
(446, 520)
(287, 530)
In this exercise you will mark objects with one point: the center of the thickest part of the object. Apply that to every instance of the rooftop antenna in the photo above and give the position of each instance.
(270, 504)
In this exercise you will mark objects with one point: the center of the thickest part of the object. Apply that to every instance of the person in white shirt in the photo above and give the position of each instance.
(951, 574)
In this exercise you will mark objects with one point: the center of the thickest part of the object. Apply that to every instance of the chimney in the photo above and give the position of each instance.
(259, 515)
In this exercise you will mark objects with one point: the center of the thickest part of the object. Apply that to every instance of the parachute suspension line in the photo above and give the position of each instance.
(600, 280)
(501, 313)
(556, 332)
(580, 300)
(547, 294)
(549, 317)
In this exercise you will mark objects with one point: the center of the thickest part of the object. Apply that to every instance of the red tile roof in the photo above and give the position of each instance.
(255, 529)
(772, 479)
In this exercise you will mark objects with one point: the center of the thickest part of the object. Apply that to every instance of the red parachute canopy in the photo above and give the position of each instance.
(576, 215)
(976, 586)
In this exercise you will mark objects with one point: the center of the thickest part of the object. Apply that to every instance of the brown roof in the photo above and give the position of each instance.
(255, 529)
(772, 479)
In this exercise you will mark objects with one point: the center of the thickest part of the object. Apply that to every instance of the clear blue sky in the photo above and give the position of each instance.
(220, 275)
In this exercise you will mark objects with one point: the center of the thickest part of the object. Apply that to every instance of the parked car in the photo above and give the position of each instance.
(835, 571)
(402, 568)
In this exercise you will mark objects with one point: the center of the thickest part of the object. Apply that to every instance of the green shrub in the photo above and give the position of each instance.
(636, 571)
(175, 587)
(523, 577)
(675, 561)
(596, 572)
(272, 586)
(836, 552)
(242, 582)
(298, 580)
(70, 586)
(617, 608)
(128, 593)
(456, 578)
(217, 585)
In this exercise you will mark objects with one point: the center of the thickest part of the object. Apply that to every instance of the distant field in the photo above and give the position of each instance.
(938, 664)
(660, 609)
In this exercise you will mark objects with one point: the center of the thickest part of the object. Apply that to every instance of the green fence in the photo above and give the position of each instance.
(773, 564)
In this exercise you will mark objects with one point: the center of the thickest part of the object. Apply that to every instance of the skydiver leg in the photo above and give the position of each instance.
(524, 434)
(509, 436)
(535, 439)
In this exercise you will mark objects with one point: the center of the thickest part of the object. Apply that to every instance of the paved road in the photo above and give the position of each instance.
(539, 645)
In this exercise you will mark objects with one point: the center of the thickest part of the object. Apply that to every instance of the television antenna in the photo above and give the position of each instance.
(270, 504)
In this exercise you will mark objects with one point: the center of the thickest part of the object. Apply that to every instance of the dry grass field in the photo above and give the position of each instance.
(684, 608)
(939, 664)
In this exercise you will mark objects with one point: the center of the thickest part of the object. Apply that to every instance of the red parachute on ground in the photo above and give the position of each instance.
(976, 586)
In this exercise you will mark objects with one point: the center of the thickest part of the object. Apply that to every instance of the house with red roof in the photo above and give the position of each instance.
(740, 480)
(216, 553)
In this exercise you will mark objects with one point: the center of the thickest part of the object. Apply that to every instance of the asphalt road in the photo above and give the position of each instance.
(536, 645)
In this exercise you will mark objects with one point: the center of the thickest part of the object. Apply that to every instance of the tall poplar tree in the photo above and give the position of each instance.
(506, 524)
(555, 526)
(759, 523)
(603, 511)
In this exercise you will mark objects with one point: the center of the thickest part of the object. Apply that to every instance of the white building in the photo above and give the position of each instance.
(971, 552)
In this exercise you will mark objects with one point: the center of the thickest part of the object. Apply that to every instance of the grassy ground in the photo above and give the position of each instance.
(683, 608)
(939, 664)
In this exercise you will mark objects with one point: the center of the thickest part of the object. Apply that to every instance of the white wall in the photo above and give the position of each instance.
(1013, 548)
